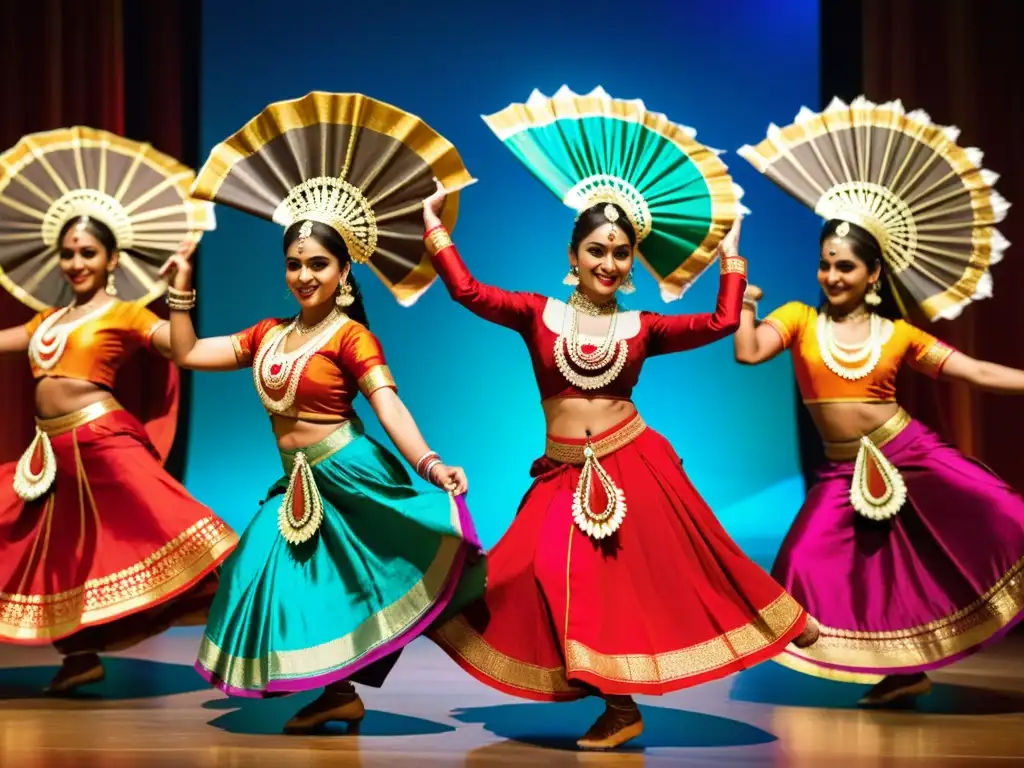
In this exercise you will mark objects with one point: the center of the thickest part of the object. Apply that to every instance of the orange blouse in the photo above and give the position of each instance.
(91, 347)
(797, 325)
(319, 380)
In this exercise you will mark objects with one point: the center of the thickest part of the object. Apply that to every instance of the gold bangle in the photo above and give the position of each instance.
(734, 265)
(437, 241)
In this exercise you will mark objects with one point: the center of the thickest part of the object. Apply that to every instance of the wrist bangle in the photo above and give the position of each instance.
(734, 265)
(437, 240)
(427, 470)
(181, 301)
(423, 460)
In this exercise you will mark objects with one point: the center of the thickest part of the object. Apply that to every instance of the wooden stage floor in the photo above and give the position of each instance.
(154, 710)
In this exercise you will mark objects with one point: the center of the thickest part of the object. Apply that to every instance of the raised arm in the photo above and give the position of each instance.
(675, 333)
(508, 308)
(14, 340)
(187, 351)
(755, 343)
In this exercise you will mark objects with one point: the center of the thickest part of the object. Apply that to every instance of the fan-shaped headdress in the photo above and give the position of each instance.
(926, 200)
(360, 166)
(592, 148)
(141, 195)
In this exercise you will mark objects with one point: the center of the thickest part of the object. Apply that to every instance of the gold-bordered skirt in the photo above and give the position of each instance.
(935, 580)
(99, 546)
(344, 564)
(664, 602)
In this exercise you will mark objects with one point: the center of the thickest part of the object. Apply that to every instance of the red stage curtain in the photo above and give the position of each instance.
(121, 66)
(963, 63)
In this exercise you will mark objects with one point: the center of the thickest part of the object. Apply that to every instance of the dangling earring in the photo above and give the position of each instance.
(573, 278)
(344, 297)
(628, 286)
(873, 298)
(111, 284)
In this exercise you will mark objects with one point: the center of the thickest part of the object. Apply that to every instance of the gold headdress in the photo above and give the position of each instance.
(141, 195)
(927, 201)
(360, 166)
(591, 148)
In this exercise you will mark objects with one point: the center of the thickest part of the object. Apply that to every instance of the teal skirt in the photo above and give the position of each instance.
(343, 565)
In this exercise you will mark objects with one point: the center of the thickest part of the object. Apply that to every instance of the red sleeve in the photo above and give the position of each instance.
(675, 333)
(511, 309)
(248, 341)
(361, 354)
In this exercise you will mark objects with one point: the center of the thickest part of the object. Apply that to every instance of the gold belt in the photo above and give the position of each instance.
(69, 421)
(30, 483)
(570, 453)
(847, 450)
(330, 445)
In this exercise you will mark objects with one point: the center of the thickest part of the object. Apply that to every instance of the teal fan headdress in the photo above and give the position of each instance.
(592, 148)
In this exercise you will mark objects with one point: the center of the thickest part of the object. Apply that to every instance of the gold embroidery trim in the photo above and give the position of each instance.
(882, 436)
(775, 621)
(734, 265)
(438, 240)
(168, 570)
(376, 378)
(925, 643)
(934, 358)
(69, 421)
(324, 449)
(241, 356)
(567, 453)
(390, 622)
(458, 636)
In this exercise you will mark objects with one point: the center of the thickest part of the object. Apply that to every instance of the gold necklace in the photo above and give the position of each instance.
(581, 303)
(610, 355)
(302, 329)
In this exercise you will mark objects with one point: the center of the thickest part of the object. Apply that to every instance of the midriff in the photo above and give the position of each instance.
(840, 422)
(56, 396)
(575, 416)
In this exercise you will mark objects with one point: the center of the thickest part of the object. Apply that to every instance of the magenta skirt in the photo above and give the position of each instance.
(929, 586)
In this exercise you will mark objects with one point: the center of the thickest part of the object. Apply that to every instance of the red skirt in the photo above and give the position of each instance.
(114, 551)
(666, 602)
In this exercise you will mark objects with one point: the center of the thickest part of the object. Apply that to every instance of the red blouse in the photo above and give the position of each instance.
(321, 384)
(539, 320)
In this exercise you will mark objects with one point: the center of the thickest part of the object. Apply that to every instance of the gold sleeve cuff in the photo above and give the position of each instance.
(780, 329)
(734, 265)
(934, 358)
(438, 240)
(376, 378)
(241, 357)
(154, 328)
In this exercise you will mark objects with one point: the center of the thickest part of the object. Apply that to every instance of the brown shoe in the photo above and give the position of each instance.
(620, 722)
(76, 670)
(338, 703)
(897, 688)
(809, 636)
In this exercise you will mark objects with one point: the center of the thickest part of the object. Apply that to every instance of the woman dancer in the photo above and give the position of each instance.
(99, 546)
(584, 597)
(908, 553)
(345, 562)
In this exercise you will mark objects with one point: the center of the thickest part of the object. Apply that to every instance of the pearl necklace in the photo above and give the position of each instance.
(609, 356)
(275, 370)
(838, 357)
(305, 330)
(47, 345)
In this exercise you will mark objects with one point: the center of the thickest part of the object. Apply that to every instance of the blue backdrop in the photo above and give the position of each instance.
(726, 69)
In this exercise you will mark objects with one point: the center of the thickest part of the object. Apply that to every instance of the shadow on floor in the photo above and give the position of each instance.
(267, 717)
(126, 679)
(559, 725)
(774, 684)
